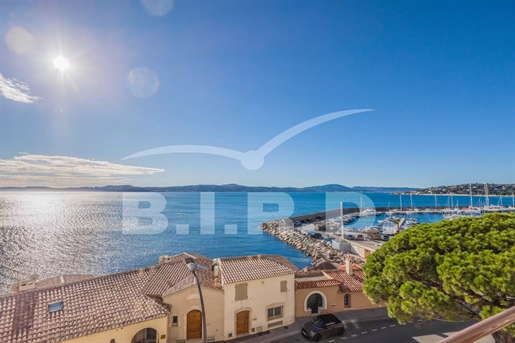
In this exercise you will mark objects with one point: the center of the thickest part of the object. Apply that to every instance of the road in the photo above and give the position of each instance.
(388, 330)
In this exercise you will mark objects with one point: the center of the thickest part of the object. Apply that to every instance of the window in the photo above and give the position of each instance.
(54, 307)
(346, 301)
(112, 341)
(284, 286)
(275, 312)
(175, 320)
(241, 291)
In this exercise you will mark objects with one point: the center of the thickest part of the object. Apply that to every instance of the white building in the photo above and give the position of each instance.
(259, 293)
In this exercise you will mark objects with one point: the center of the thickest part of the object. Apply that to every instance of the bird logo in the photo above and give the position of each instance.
(252, 159)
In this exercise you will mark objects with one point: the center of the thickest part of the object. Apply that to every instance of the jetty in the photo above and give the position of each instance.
(324, 255)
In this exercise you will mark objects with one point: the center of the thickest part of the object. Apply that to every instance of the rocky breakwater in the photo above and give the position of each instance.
(324, 255)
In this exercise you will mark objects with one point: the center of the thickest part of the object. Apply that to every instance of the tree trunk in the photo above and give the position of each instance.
(503, 337)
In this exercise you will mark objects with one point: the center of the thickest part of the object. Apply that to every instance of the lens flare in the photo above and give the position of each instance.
(143, 82)
(19, 40)
(157, 8)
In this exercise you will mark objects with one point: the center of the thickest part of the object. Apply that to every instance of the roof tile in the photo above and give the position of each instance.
(246, 268)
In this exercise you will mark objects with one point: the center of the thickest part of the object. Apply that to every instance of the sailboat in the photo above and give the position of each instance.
(366, 211)
(488, 207)
(471, 210)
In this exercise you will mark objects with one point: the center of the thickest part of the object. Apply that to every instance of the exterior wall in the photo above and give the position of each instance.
(261, 295)
(187, 300)
(335, 301)
(126, 333)
(345, 247)
(359, 301)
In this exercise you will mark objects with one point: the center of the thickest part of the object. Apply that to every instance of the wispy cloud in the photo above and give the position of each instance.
(16, 90)
(44, 170)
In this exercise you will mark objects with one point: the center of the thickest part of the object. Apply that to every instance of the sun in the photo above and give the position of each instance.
(61, 63)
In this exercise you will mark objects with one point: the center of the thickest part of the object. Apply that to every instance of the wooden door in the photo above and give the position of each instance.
(242, 323)
(194, 325)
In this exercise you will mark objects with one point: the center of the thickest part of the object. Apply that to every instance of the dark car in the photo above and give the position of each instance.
(324, 325)
(315, 235)
(360, 238)
(350, 237)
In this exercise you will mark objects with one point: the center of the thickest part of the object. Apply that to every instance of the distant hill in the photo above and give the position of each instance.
(218, 188)
(477, 189)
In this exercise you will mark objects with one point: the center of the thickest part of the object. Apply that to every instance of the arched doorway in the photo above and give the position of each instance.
(147, 335)
(242, 323)
(315, 301)
(194, 325)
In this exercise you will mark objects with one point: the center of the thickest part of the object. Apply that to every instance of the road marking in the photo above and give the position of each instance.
(354, 335)
(419, 320)
(384, 327)
(364, 332)
(374, 330)
(392, 325)
(331, 341)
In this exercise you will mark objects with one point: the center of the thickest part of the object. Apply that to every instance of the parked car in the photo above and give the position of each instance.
(360, 238)
(350, 237)
(322, 326)
(315, 235)
(328, 239)
(386, 237)
(297, 223)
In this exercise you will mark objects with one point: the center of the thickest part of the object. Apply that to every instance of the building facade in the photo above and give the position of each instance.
(259, 293)
(159, 304)
(329, 291)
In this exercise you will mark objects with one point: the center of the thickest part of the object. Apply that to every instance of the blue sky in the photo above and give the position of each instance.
(440, 77)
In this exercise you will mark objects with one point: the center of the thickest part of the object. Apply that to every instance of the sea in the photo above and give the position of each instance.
(54, 233)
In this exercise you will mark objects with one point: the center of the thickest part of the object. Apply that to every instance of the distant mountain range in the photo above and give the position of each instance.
(477, 189)
(219, 188)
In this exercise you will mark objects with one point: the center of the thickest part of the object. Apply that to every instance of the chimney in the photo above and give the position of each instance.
(348, 265)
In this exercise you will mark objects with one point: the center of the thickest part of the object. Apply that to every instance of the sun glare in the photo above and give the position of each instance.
(61, 63)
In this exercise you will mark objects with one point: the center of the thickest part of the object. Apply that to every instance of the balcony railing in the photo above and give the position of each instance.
(483, 328)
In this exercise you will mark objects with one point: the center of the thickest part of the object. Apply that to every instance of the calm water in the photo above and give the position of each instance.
(52, 233)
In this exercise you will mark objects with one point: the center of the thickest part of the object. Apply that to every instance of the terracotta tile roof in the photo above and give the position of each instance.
(246, 268)
(313, 279)
(172, 271)
(316, 283)
(206, 279)
(166, 275)
(309, 274)
(354, 267)
(348, 283)
(89, 306)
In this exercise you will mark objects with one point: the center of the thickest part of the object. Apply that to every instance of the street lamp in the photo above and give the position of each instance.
(192, 267)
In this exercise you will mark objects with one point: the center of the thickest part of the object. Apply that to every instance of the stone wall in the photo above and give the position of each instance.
(324, 256)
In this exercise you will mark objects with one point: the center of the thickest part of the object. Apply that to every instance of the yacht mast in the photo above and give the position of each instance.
(470, 186)
(436, 203)
(487, 201)
(341, 217)
(411, 200)
(400, 199)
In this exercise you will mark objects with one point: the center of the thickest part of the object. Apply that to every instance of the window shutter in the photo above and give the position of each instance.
(284, 286)
(241, 291)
